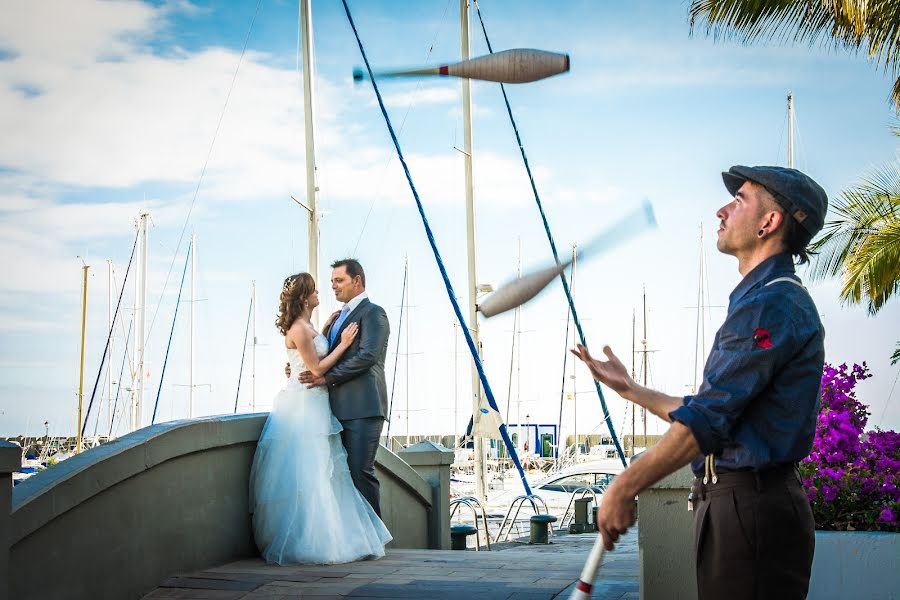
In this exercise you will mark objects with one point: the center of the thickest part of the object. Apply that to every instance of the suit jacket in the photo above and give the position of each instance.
(355, 383)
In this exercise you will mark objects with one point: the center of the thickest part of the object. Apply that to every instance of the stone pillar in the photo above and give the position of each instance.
(10, 462)
(666, 539)
(432, 462)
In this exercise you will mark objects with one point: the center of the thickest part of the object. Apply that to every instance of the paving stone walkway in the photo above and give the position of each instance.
(513, 571)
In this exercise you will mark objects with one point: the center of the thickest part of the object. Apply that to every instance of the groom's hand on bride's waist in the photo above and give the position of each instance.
(311, 380)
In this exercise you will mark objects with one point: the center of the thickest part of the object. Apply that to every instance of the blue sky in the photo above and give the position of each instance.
(108, 108)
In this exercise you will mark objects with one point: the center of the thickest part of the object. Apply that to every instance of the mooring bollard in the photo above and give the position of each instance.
(458, 536)
(540, 525)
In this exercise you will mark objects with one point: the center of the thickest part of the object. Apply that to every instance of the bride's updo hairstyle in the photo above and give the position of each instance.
(296, 289)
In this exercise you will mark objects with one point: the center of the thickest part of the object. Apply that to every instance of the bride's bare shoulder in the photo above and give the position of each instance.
(299, 333)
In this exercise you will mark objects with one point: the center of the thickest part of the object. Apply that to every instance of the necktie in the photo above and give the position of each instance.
(336, 326)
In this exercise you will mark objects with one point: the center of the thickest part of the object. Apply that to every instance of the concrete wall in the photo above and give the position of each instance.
(666, 539)
(846, 564)
(116, 520)
(10, 462)
(855, 564)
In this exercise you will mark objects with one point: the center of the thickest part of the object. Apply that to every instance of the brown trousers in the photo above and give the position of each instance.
(754, 536)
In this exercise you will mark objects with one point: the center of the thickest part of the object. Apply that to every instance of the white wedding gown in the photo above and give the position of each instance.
(304, 504)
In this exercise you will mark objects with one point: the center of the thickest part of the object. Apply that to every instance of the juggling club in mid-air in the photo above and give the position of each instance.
(519, 291)
(521, 65)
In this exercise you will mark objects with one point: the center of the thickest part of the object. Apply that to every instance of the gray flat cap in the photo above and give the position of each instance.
(796, 192)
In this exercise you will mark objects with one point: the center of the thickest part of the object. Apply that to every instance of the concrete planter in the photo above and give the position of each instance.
(855, 564)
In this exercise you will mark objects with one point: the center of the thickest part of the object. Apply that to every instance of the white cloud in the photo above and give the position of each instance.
(417, 97)
(438, 178)
(75, 33)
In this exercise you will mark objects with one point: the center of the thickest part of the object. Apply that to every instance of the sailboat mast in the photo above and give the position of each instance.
(312, 188)
(253, 352)
(109, 380)
(574, 386)
(633, 374)
(515, 341)
(84, 284)
(406, 299)
(478, 442)
(455, 388)
(191, 337)
(646, 369)
(790, 100)
(137, 408)
(518, 327)
(698, 336)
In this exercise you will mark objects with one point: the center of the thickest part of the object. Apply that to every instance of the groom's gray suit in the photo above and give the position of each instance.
(358, 394)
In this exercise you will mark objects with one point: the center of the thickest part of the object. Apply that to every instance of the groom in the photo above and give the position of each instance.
(355, 383)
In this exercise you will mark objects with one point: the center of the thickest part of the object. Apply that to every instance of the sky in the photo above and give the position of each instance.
(108, 109)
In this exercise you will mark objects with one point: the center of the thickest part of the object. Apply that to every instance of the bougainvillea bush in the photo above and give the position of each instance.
(852, 476)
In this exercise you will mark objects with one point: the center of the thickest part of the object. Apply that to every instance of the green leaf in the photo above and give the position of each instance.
(851, 25)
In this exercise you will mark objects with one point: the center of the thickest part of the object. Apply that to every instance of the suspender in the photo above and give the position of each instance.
(791, 279)
(709, 474)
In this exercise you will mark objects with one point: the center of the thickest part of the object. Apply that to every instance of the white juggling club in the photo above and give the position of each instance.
(585, 583)
(521, 65)
(519, 291)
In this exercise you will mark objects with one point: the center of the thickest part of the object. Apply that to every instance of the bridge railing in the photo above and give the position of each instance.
(171, 498)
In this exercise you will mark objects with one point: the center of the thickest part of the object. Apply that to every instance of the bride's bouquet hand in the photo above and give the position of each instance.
(349, 334)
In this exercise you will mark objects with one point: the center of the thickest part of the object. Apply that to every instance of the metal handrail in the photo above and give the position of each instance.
(472, 502)
(583, 491)
(517, 502)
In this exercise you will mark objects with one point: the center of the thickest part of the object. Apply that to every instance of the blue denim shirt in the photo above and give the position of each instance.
(759, 399)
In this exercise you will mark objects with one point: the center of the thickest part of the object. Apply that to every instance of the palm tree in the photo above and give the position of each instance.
(873, 25)
(863, 243)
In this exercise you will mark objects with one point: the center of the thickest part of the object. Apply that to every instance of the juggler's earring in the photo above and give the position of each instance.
(761, 232)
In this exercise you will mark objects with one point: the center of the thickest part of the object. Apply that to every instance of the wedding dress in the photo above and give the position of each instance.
(304, 504)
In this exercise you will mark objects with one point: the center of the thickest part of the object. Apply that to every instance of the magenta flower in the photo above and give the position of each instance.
(851, 476)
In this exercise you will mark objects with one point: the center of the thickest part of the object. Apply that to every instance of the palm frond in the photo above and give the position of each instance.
(873, 26)
(859, 212)
(895, 357)
(895, 98)
(873, 269)
(863, 242)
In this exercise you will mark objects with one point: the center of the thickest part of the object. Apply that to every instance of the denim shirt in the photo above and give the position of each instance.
(757, 406)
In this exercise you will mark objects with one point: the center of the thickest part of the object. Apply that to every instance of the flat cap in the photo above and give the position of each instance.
(796, 192)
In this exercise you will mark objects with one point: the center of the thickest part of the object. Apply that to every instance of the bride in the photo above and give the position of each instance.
(304, 504)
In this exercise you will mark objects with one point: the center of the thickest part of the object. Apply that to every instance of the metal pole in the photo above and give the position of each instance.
(78, 440)
(408, 288)
(574, 382)
(517, 323)
(138, 406)
(191, 342)
(633, 354)
(109, 380)
(646, 369)
(253, 353)
(478, 442)
(790, 130)
(312, 187)
(455, 389)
